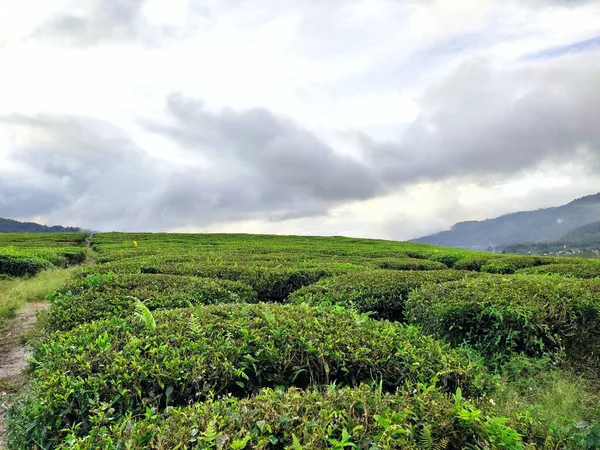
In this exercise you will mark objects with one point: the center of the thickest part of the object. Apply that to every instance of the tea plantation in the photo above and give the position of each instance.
(225, 341)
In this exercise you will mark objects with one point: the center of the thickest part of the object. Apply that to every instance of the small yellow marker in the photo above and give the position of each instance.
(135, 243)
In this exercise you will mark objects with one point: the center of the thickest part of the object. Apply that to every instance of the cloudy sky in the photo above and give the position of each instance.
(374, 118)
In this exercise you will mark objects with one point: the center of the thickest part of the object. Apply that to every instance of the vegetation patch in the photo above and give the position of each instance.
(575, 269)
(20, 266)
(174, 357)
(100, 296)
(379, 292)
(497, 315)
(416, 417)
(409, 264)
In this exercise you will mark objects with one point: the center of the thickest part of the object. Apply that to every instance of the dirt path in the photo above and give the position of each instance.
(13, 356)
(90, 251)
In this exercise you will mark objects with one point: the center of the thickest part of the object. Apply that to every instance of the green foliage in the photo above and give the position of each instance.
(380, 292)
(271, 282)
(20, 266)
(497, 315)
(550, 408)
(100, 296)
(123, 366)
(416, 417)
(409, 264)
(131, 362)
(585, 269)
(15, 292)
(28, 254)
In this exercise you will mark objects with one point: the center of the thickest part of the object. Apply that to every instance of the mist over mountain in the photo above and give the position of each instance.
(14, 226)
(567, 222)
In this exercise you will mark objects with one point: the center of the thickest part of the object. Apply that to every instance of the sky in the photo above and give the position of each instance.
(370, 118)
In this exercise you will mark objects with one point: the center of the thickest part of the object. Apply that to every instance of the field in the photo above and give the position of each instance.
(228, 341)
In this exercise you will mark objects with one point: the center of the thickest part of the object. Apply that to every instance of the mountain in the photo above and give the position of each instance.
(14, 226)
(582, 241)
(542, 225)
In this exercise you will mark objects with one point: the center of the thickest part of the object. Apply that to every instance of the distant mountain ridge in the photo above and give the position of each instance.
(542, 225)
(14, 226)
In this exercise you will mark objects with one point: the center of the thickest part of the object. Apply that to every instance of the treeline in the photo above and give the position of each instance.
(14, 226)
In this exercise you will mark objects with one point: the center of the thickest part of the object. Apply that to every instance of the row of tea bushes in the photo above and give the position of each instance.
(416, 417)
(27, 262)
(20, 266)
(173, 357)
(408, 264)
(271, 282)
(28, 254)
(379, 292)
(585, 269)
(527, 314)
(40, 240)
(101, 296)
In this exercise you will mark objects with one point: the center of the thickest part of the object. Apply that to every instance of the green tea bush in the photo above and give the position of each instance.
(573, 269)
(173, 357)
(19, 266)
(416, 417)
(380, 292)
(498, 315)
(99, 296)
(472, 263)
(409, 264)
(500, 264)
(271, 282)
(448, 258)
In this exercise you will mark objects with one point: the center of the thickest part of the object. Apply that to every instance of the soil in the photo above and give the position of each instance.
(14, 355)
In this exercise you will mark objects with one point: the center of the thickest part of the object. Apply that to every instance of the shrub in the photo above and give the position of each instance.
(409, 264)
(271, 282)
(511, 264)
(417, 417)
(126, 366)
(573, 269)
(533, 315)
(472, 263)
(447, 258)
(19, 266)
(380, 292)
(99, 296)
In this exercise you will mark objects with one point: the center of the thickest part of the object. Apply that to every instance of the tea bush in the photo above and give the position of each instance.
(573, 269)
(409, 264)
(99, 296)
(499, 264)
(173, 357)
(271, 282)
(416, 417)
(380, 292)
(19, 266)
(533, 315)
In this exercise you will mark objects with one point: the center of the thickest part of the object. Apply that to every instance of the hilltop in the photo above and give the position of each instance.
(14, 226)
(542, 225)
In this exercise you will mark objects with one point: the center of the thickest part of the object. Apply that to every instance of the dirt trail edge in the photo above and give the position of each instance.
(14, 355)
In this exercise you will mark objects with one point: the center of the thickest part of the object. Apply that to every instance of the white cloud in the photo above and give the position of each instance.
(383, 69)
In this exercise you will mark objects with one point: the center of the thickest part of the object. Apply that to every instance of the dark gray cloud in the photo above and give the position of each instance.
(93, 174)
(482, 122)
(477, 125)
(273, 150)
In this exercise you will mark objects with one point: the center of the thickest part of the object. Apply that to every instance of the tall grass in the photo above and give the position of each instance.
(15, 292)
(559, 407)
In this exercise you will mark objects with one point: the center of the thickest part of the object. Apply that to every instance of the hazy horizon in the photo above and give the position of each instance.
(382, 119)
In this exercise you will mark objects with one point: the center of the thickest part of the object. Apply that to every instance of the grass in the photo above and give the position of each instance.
(15, 292)
(553, 407)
